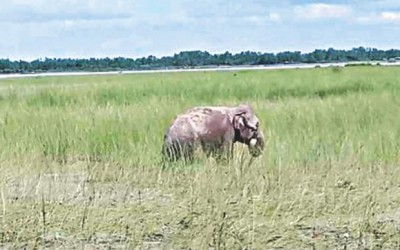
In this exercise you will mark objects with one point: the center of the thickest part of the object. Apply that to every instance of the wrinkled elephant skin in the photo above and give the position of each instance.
(215, 129)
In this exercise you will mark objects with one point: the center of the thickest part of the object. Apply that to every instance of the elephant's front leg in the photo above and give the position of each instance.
(224, 152)
(228, 149)
(209, 149)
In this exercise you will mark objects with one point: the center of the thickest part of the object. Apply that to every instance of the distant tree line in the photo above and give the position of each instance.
(196, 59)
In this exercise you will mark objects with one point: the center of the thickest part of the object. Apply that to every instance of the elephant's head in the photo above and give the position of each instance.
(247, 129)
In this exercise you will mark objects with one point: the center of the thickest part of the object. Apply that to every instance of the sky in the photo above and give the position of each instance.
(33, 29)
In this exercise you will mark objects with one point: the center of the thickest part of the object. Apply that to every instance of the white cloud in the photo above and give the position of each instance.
(274, 17)
(261, 19)
(380, 18)
(390, 16)
(322, 10)
(366, 19)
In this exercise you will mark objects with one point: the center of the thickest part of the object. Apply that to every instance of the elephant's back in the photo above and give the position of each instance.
(204, 123)
(210, 122)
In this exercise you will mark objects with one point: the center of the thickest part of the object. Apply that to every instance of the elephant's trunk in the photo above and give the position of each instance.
(257, 144)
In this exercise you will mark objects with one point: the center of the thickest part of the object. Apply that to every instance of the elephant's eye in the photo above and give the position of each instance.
(254, 129)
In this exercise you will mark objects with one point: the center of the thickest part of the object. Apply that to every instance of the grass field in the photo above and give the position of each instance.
(80, 162)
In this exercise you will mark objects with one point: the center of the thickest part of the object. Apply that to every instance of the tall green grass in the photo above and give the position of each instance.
(331, 155)
(308, 115)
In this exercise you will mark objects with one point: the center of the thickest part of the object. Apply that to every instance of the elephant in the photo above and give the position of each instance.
(214, 129)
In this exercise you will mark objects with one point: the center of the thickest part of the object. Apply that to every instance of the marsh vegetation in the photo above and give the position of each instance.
(80, 162)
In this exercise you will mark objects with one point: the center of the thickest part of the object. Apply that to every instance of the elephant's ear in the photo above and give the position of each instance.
(239, 115)
(238, 121)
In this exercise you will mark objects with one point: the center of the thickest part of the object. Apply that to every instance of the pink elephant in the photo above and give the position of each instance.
(215, 129)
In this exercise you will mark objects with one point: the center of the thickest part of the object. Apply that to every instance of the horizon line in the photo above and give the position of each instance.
(159, 56)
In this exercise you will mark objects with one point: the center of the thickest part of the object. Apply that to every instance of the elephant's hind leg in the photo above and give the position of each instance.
(188, 152)
(176, 150)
